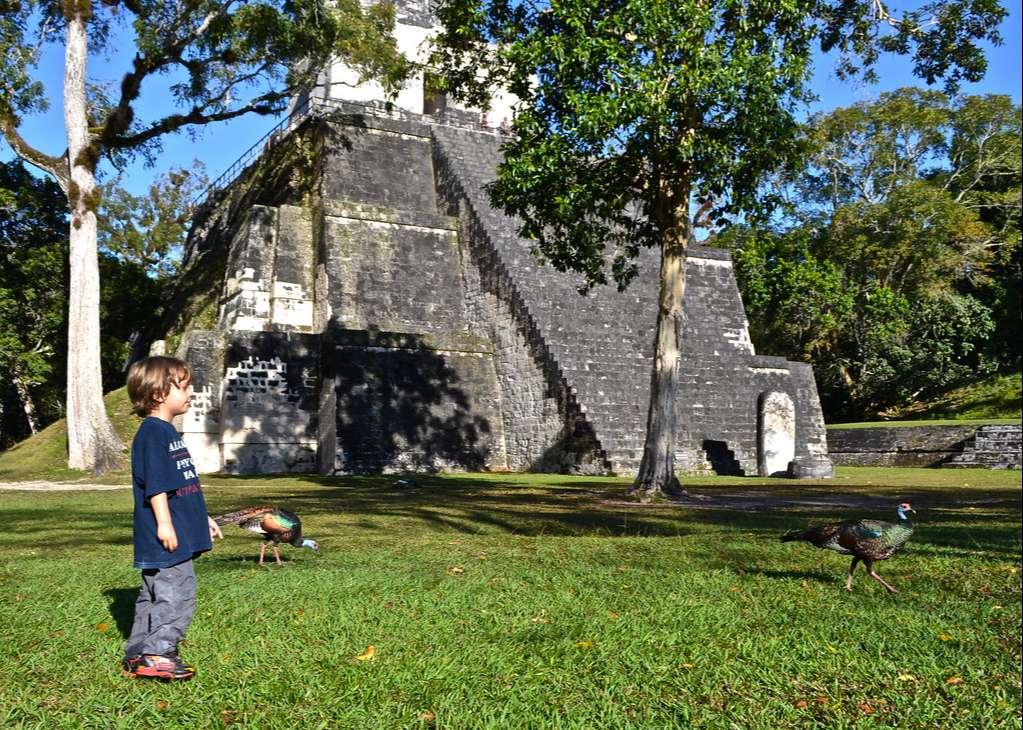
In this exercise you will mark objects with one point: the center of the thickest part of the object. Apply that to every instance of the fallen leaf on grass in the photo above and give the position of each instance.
(997, 608)
(830, 648)
(907, 678)
(734, 589)
(688, 666)
(542, 618)
(228, 716)
(426, 716)
(866, 709)
(103, 626)
(954, 681)
(613, 614)
(944, 637)
(19, 597)
(162, 705)
(585, 644)
(455, 570)
(367, 656)
(482, 555)
(800, 704)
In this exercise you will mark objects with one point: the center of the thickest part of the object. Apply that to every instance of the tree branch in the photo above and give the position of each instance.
(55, 166)
(266, 104)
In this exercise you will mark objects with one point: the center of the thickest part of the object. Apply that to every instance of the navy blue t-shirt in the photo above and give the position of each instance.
(161, 463)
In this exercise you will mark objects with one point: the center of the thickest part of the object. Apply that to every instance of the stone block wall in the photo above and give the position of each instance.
(405, 404)
(993, 446)
(393, 320)
(380, 162)
(601, 345)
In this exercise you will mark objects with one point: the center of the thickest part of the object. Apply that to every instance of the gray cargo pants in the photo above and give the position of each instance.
(163, 611)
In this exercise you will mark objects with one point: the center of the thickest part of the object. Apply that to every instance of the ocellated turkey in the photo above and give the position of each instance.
(866, 540)
(276, 525)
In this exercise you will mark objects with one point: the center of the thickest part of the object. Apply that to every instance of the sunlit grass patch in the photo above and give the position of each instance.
(528, 601)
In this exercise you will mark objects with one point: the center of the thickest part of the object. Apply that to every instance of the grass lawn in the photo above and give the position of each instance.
(927, 423)
(531, 601)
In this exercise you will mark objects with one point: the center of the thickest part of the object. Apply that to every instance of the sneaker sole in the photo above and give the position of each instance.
(162, 676)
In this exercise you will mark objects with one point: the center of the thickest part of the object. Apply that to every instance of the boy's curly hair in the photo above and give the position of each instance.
(150, 380)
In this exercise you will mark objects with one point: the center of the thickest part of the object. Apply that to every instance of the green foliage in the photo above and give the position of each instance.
(33, 300)
(568, 610)
(33, 283)
(228, 59)
(903, 261)
(149, 230)
(630, 113)
(44, 455)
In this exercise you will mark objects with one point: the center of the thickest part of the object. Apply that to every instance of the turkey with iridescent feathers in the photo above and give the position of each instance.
(866, 540)
(276, 525)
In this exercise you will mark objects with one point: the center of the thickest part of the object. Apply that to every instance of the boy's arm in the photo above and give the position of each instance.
(164, 526)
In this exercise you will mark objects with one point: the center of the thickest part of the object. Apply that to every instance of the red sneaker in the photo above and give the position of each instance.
(167, 667)
(129, 664)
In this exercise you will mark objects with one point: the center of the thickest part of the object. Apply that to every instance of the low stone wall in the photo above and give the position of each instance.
(926, 446)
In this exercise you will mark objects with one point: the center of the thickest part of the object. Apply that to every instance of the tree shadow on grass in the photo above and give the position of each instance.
(971, 521)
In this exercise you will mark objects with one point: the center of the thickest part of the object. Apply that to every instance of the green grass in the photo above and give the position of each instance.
(926, 422)
(530, 601)
(998, 397)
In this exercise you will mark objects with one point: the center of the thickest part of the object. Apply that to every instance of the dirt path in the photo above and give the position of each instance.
(58, 487)
(751, 500)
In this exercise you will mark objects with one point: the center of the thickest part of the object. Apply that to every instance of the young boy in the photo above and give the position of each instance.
(171, 522)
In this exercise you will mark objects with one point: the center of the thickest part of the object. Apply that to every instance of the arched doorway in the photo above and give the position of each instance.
(776, 434)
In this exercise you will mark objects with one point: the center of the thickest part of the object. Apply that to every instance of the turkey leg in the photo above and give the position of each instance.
(852, 567)
(875, 576)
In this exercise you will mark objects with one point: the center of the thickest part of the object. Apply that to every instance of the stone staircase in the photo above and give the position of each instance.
(599, 346)
(991, 447)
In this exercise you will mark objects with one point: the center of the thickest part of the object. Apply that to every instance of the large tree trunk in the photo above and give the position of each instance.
(27, 404)
(92, 442)
(657, 470)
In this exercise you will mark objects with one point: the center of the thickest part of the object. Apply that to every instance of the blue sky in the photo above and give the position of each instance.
(219, 145)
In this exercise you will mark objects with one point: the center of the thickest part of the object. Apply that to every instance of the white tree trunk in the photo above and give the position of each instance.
(27, 404)
(656, 475)
(92, 442)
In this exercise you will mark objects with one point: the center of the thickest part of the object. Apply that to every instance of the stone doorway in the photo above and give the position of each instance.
(776, 434)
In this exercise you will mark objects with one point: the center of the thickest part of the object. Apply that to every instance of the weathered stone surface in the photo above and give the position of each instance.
(811, 467)
(777, 434)
(601, 346)
(992, 447)
(398, 322)
(410, 408)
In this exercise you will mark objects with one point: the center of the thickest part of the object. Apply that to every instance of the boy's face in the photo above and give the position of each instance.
(178, 398)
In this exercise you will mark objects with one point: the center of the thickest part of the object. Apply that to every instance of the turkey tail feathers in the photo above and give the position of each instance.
(235, 518)
(791, 535)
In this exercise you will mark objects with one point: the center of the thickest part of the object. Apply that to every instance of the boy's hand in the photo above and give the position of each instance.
(167, 537)
(214, 529)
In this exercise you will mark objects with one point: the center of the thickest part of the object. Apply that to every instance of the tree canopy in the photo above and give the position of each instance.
(641, 120)
(216, 60)
(900, 258)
